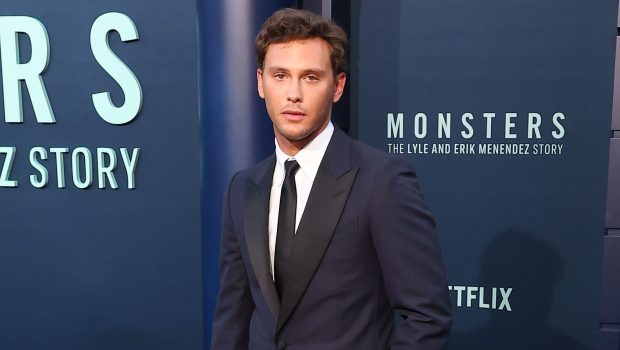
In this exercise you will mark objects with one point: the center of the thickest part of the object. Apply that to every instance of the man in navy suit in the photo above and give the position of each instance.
(326, 244)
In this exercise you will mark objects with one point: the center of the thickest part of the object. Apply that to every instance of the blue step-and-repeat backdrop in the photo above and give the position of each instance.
(100, 242)
(113, 159)
(504, 109)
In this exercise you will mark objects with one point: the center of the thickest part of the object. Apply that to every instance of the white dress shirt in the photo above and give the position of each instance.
(309, 158)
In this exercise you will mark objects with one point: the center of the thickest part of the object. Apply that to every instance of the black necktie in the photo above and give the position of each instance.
(286, 222)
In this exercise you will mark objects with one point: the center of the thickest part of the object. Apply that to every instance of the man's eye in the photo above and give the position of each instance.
(312, 78)
(279, 76)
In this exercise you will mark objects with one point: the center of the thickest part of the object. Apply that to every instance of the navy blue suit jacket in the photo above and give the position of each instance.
(365, 250)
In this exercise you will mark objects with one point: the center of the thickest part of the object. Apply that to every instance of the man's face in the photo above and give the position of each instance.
(298, 85)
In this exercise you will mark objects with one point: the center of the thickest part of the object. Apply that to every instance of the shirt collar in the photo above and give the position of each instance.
(309, 158)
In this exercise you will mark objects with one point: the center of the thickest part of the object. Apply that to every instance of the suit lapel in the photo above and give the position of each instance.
(256, 221)
(326, 202)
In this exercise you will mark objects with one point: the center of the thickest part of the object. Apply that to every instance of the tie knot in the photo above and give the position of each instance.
(290, 168)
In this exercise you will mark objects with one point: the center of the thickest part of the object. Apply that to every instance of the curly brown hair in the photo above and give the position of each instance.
(289, 24)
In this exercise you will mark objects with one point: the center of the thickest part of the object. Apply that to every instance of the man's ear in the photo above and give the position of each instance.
(341, 80)
(259, 80)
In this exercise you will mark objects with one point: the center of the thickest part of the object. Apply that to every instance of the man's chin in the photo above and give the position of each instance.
(295, 135)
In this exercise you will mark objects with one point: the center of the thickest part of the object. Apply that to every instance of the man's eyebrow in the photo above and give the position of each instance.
(316, 71)
(276, 69)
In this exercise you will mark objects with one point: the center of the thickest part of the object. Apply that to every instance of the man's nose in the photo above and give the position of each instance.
(294, 92)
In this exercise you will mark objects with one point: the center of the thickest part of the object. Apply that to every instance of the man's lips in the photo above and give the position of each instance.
(293, 115)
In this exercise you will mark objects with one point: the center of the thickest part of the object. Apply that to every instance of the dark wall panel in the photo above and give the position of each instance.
(613, 189)
(610, 338)
(610, 301)
(615, 122)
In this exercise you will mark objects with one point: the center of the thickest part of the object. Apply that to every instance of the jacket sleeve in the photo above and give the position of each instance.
(234, 307)
(405, 240)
